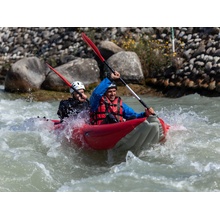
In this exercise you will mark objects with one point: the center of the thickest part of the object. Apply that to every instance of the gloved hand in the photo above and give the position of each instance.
(149, 111)
(113, 76)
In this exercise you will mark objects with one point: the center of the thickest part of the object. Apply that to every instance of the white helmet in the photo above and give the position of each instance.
(77, 85)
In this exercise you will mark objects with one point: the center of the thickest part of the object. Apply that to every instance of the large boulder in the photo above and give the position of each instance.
(108, 48)
(26, 75)
(128, 64)
(80, 69)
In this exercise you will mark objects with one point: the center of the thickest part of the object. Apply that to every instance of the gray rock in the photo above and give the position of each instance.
(208, 66)
(128, 65)
(80, 69)
(217, 53)
(108, 48)
(200, 50)
(26, 75)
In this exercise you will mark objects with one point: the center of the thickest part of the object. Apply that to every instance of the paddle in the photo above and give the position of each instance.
(66, 81)
(97, 52)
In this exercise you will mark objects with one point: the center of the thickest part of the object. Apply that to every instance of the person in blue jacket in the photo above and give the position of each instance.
(106, 107)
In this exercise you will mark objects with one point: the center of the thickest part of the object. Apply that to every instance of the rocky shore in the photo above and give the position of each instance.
(195, 68)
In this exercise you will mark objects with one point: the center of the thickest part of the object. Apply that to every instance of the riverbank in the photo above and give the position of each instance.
(48, 96)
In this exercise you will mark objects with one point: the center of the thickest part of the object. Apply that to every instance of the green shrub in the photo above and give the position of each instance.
(155, 55)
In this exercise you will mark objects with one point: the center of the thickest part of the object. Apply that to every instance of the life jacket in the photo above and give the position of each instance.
(108, 109)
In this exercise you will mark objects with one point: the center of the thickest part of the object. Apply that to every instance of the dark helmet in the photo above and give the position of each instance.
(113, 85)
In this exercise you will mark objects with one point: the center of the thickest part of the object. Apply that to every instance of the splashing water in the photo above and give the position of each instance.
(33, 157)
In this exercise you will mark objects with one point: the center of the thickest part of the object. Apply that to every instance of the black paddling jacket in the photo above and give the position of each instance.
(71, 107)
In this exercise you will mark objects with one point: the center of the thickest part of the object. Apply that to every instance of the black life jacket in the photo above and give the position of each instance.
(71, 107)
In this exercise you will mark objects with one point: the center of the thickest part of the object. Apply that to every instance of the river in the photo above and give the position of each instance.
(34, 159)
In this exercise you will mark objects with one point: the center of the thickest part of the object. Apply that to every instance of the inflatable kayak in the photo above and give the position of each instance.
(123, 136)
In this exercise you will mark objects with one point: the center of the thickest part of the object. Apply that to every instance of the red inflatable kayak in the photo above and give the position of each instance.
(128, 135)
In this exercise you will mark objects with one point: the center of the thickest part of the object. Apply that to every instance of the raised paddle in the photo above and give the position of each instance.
(97, 52)
(65, 80)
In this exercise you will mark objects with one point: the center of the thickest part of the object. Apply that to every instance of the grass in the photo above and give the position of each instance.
(47, 96)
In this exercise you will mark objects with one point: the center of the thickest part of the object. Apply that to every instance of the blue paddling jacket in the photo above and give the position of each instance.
(100, 90)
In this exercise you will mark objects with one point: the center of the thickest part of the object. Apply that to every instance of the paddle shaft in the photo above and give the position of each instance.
(97, 52)
(66, 81)
(127, 86)
(101, 58)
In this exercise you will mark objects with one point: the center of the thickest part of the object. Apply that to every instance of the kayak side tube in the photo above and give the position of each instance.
(144, 135)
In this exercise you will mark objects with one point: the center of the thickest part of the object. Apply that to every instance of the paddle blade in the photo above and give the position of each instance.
(93, 46)
(62, 77)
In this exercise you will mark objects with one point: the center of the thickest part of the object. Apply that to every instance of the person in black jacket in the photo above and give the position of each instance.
(73, 106)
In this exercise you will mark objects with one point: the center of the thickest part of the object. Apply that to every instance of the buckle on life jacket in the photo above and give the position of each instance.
(110, 118)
